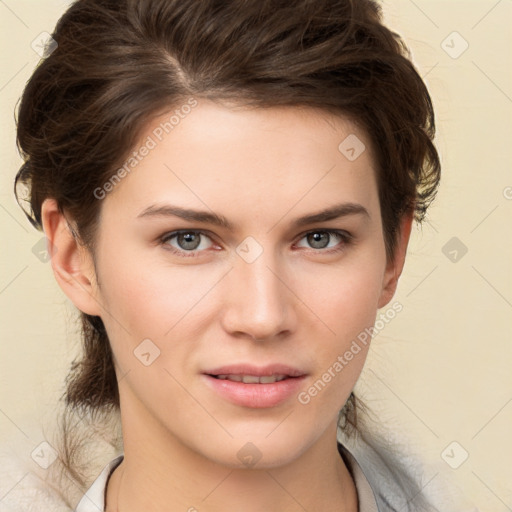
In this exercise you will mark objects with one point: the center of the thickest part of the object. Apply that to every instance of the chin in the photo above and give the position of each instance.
(258, 451)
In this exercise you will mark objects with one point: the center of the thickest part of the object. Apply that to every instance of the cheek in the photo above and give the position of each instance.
(150, 298)
(345, 299)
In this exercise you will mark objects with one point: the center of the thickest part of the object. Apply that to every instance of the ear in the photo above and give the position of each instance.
(394, 268)
(72, 263)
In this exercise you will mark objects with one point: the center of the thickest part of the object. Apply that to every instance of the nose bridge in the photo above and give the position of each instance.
(259, 305)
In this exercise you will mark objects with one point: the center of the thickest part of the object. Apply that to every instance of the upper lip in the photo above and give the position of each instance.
(259, 371)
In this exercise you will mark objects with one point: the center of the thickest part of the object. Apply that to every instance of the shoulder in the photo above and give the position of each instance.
(398, 478)
(34, 479)
(25, 487)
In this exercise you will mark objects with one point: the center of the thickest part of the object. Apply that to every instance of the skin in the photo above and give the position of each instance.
(295, 304)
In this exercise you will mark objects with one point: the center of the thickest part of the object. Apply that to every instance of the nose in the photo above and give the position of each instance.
(259, 303)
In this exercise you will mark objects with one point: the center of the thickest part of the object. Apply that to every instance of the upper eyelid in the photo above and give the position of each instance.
(172, 234)
(326, 230)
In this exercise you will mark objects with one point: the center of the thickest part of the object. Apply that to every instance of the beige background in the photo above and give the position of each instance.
(440, 371)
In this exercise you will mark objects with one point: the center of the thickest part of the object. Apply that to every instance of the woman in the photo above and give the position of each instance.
(228, 190)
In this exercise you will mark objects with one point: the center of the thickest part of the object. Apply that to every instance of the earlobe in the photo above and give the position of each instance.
(71, 262)
(394, 268)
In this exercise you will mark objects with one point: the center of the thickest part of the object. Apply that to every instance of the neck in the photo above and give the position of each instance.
(161, 474)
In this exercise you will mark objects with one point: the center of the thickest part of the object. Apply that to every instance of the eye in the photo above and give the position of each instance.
(190, 243)
(186, 241)
(321, 239)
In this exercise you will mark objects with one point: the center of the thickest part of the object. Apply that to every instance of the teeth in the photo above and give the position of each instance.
(253, 379)
(270, 378)
(250, 379)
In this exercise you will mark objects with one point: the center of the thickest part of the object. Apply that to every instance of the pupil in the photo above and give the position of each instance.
(317, 239)
(188, 240)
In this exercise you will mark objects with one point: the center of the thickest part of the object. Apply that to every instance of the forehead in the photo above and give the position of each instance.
(254, 159)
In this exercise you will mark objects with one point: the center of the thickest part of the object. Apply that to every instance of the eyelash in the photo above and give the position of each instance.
(346, 239)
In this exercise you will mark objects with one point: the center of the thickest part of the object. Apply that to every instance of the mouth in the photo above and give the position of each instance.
(255, 387)
(252, 379)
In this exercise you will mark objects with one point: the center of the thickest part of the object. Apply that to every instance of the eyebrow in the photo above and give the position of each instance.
(209, 217)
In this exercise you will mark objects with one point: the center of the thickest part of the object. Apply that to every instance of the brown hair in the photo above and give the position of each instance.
(119, 63)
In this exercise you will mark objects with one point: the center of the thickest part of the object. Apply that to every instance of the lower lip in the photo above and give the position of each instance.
(257, 396)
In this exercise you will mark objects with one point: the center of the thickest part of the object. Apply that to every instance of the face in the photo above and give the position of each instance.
(254, 288)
